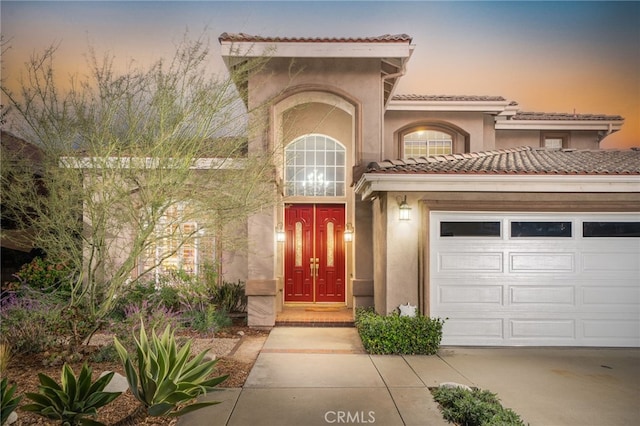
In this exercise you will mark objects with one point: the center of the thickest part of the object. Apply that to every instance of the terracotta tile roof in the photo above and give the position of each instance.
(523, 160)
(564, 116)
(242, 37)
(463, 98)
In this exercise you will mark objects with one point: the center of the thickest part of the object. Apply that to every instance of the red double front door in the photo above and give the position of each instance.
(314, 261)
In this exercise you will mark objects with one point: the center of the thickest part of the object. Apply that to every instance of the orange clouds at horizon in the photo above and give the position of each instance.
(549, 57)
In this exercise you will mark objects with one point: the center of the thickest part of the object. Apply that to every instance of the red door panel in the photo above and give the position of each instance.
(314, 253)
(298, 253)
(330, 252)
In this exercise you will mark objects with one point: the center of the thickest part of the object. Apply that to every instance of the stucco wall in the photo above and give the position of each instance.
(380, 240)
(340, 98)
(315, 117)
(357, 80)
(478, 126)
(396, 248)
(584, 140)
(402, 252)
(576, 139)
(506, 139)
(234, 258)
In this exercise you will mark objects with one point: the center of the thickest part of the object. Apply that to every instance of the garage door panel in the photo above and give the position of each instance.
(611, 295)
(479, 294)
(570, 291)
(552, 262)
(611, 262)
(535, 295)
(460, 329)
(537, 328)
(470, 262)
(612, 329)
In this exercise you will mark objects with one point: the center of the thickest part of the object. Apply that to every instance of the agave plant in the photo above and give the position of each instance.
(72, 401)
(165, 382)
(8, 403)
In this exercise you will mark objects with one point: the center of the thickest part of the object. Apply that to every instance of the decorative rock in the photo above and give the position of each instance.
(13, 417)
(241, 333)
(453, 385)
(408, 310)
(118, 383)
(209, 357)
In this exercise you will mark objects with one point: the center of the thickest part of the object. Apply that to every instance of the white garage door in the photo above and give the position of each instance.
(549, 279)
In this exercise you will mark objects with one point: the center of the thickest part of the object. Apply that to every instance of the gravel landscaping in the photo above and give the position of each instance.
(24, 370)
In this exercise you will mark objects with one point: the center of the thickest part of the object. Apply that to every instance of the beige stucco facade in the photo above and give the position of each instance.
(343, 89)
(339, 98)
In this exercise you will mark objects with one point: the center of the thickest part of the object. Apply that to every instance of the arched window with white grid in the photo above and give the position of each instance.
(315, 167)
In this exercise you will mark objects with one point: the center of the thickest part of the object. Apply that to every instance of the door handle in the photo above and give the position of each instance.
(314, 264)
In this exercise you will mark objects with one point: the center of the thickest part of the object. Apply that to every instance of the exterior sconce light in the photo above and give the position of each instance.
(280, 235)
(348, 233)
(405, 210)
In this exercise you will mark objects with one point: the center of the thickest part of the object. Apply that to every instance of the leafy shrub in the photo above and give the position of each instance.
(168, 296)
(106, 353)
(199, 301)
(8, 403)
(165, 382)
(393, 334)
(79, 322)
(32, 324)
(208, 321)
(230, 297)
(194, 296)
(134, 294)
(46, 275)
(474, 408)
(72, 401)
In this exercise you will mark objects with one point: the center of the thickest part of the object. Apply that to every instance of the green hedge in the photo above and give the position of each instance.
(396, 335)
(474, 408)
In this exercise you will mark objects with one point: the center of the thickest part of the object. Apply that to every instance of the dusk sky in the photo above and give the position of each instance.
(547, 56)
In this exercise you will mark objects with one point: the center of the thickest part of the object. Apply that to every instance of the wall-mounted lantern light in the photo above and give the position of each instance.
(280, 235)
(405, 210)
(348, 233)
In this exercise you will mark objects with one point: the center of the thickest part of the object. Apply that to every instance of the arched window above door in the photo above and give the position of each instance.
(424, 143)
(315, 167)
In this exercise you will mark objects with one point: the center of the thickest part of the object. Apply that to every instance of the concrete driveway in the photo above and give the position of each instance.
(546, 386)
(320, 376)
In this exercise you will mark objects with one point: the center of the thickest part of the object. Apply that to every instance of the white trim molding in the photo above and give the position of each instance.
(372, 183)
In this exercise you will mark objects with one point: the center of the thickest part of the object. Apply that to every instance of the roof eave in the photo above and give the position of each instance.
(372, 183)
(314, 49)
(491, 107)
(608, 125)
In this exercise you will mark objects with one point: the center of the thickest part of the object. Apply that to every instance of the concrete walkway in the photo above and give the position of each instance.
(321, 376)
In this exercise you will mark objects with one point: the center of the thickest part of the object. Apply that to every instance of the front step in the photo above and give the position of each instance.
(315, 316)
(286, 323)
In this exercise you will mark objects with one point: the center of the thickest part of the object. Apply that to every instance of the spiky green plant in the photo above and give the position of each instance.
(165, 382)
(8, 403)
(72, 401)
